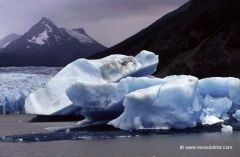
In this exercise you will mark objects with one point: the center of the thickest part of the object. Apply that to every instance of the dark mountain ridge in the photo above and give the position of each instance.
(201, 38)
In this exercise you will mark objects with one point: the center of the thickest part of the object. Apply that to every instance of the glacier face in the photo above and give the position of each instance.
(17, 82)
(53, 98)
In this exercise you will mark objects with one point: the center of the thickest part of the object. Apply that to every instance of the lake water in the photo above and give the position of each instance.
(142, 146)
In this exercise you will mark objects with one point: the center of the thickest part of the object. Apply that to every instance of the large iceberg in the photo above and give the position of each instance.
(148, 102)
(52, 97)
(119, 90)
(175, 104)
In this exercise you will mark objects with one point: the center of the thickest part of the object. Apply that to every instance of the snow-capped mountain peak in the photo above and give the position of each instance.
(45, 32)
(80, 35)
(49, 45)
(48, 24)
(80, 30)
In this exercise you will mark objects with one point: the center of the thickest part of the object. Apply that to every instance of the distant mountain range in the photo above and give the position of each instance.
(5, 41)
(201, 38)
(47, 45)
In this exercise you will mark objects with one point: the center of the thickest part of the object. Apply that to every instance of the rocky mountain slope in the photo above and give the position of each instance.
(201, 38)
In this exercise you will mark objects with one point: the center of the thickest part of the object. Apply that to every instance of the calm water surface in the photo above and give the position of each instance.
(145, 146)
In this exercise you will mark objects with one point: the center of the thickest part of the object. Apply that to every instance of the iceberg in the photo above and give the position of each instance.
(119, 90)
(101, 101)
(175, 104)
(227, 129)
(52, 98)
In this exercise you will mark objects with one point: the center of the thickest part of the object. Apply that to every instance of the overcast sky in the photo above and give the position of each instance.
(107, 21)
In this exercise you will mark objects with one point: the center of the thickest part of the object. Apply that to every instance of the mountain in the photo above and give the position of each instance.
(47, 45)
(5, 41)
(201, 38)
(82, 37)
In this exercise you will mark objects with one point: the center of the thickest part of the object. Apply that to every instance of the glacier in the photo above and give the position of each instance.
(16, 83)
(52, 98)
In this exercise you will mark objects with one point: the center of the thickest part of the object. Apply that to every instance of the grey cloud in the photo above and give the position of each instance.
(101, 9)
(107, 21)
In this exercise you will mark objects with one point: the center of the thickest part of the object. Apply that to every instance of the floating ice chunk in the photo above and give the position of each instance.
(105, 100)
(214, 109)
(236, 115)
(53, 98)
(175, 104)
(226, 129)
(221, 87)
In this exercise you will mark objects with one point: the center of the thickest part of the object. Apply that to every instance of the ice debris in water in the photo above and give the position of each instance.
(227, 129)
